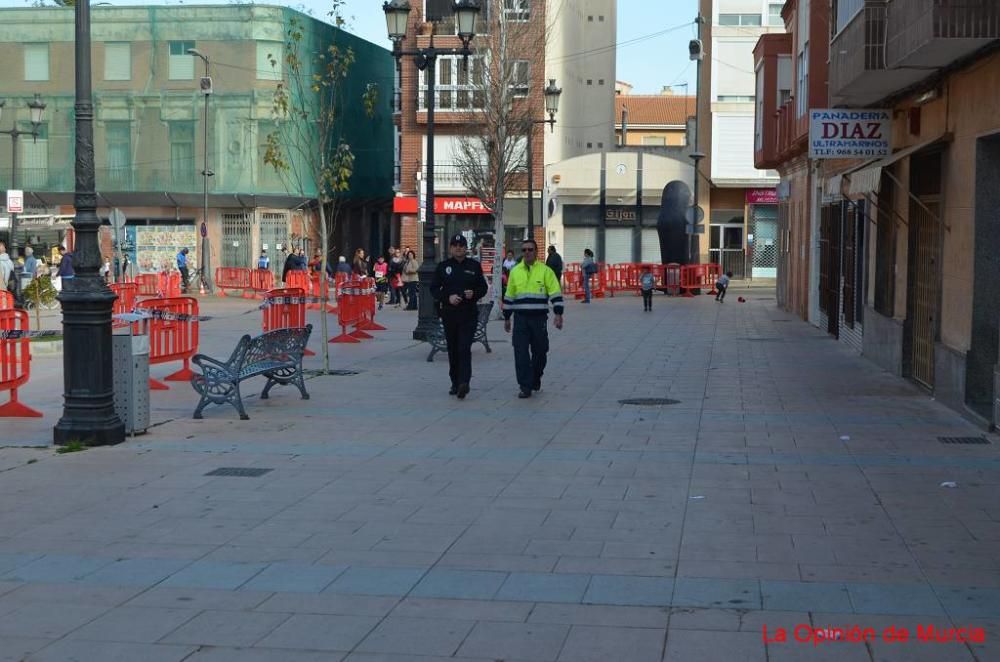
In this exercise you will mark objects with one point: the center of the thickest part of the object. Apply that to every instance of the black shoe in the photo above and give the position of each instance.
(463, 390)
(524, 394)
(454, 390)
(537, 386)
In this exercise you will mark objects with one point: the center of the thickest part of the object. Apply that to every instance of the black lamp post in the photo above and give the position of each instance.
(397, 14)
(37, 108)
(552, 94)
(206, 248)
(88, 401)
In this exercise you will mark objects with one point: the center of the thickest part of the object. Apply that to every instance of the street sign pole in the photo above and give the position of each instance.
(117, 219)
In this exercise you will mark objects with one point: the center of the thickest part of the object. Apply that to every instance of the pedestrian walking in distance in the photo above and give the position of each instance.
(589, 268)
(457, 286)
(722, 285)
(646, 284)
(555, 262)
(263, 262)
(182, 266)
(531, 287)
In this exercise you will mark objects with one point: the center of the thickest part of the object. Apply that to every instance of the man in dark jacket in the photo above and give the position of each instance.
(457, 286)
(555, 263)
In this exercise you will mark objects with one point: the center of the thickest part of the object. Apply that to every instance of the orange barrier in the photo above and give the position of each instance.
(672, 278)
(572, 281)
(170, 284)
(714, 272)
(321, 290)
(15, 364)
(697, 277)
(149, 285)
(368, 322)
(231, 278)
(348, 311)
(299, 279)
(282, 314)
(261, 281)
(127, 294)
(171, 340)
(6, 300)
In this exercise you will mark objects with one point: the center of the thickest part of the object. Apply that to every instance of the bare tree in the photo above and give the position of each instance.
(504, 89)
(307, 147)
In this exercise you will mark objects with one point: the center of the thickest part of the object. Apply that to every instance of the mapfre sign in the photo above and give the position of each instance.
(841, 133)
(459, 206)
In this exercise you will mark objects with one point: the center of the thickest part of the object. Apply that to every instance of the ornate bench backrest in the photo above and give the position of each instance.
(285, 345)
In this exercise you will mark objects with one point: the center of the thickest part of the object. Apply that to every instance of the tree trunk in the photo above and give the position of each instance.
(324, 326)
(498, 261)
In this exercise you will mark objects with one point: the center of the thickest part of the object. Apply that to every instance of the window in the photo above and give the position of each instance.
(36, 62)
(520, 78)
(758, 121)
(600, 145)
(442, 13)
(736, 98)
(739, 19)
(590, 81)
(590, 145)
(269, 59)
(119, 139)
(600, 82)
(182, 163)
(784, 79)
(181, 66)
(34, 162)
(117, 60)
(654, 140)
(774, 14)
(517, 10)
(459, 84)
(802, 87)
(843, 12)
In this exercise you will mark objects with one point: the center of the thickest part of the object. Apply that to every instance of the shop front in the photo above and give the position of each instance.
(762, 232)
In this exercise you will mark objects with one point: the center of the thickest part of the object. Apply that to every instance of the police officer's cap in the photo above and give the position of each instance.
(459, 240)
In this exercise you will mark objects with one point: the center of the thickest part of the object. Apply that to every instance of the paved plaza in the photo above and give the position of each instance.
(790, 485)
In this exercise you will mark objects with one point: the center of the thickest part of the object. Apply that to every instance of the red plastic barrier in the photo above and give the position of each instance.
(232, 278)
(348, 311)
(170, 284)
(149, 285)
(6, 300)
(321, 289)
(15, 364)
(299, 279)
(572, 281)
(283, 315)
(368, 322)
(699, 276)
(672, 278)
(713, 273)
(171, 340)
(261, 281)
(127, 294)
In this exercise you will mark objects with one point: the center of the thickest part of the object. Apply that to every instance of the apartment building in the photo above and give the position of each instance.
(902, 244)
(652, 120)
(738, 198)
(149, 128)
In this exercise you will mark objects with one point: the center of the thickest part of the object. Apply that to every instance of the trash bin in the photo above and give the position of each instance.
(131, 377)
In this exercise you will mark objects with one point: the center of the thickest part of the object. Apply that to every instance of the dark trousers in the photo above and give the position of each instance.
(411, 295)
(721, 296)
(647, 299)
(531, 348)
(459, 332)
(184, 279)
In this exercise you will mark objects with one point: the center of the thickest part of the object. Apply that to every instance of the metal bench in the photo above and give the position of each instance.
(439, 344)
(276, 355)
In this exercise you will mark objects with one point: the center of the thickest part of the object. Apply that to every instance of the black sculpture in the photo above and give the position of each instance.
(671, 224)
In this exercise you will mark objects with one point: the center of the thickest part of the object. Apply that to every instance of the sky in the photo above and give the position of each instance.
(647, 58)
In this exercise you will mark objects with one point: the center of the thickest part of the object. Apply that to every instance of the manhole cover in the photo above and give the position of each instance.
(649, 402)
(963, 440)
(243, 472)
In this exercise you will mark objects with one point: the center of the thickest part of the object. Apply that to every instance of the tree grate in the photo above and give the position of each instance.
(242, 472)
(964, 440)
(649, 402)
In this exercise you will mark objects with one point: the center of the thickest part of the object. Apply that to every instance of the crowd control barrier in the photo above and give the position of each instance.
(368, 322)
(321, 290)
(170, 339)
(261, 281)
(285, 309)
(672, 278)
(232, 278)
(299, 279)
(170, 284)
(148, 284)
(128, 294)
(6, 300)
(349, 311)
(15, 364)
(698, 277)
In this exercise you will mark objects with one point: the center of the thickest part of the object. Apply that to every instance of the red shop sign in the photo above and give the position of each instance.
(442, 205)
(762, 196)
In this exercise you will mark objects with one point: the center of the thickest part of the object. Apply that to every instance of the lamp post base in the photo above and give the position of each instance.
(428, 323)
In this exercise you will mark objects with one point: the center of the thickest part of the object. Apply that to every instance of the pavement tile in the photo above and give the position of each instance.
(135, 572)
(714, 646)
(893, 599)
(212, 574)
(226, 628)
(538, 587)
(376, 581)
(417, 636)
(227, 654)
(319, 632)
(56, 568)
(459, 584)
(294, 578)
(107, 651)
(327, 603)
(587, 643)
(515, 641)
(805, 596)
(17, 649)
(134, 624)
(34, 620)
(600, 615)
(731, 593)
(199, 598)
(472, 610)
(622, 590)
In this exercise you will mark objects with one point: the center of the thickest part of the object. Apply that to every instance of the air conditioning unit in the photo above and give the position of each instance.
(206, 85)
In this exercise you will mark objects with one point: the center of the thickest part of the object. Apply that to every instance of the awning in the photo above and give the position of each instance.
(867, 177)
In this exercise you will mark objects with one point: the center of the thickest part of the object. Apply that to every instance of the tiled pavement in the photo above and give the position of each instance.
(792, 483)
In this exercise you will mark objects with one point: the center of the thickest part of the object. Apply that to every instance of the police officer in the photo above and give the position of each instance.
(458, 284)
(531, 286)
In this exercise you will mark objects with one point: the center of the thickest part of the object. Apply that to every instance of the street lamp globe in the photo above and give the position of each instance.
(37, 107)
(552, 94)
(397, 15)
(466, 12)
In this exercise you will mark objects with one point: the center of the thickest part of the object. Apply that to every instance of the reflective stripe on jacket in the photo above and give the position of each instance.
(530, 291)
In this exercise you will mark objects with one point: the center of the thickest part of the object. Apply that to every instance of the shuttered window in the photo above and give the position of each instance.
(269, 59)
(181, 66)
(117, 60)
(36, 62)
(651, 246)
(617, 246)
(850, 284)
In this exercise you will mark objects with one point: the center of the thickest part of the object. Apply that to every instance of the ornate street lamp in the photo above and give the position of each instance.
(37, 110)
(397, 14)
(206, 247)
(552, 94)
(88, 398)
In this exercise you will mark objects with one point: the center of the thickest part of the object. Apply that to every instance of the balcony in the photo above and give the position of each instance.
(858, 74)
(935, 33)
(447, 177)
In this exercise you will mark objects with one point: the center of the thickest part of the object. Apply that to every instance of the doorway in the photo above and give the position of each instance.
(725, 248)
(924, 280)
(982, 358)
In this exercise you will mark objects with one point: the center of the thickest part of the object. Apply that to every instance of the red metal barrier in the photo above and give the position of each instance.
(299, 279)
(713, 273)
(127, 294)
(149, 285)
(171, 340)
(698, 277)
(231, 278)
(6, 300)
(279, 314)
(169, 284)
(572, 282)
(672, 278)
(348, 310)
(15, 364)
(261, 281)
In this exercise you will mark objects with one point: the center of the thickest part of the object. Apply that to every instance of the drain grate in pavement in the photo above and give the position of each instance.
(243, 472)
(963, 440)
(649, 402)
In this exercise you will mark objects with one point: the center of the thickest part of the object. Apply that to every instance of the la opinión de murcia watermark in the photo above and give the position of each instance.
(894, 634)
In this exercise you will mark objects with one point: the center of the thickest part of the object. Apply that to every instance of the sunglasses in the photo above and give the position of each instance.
(527, 250)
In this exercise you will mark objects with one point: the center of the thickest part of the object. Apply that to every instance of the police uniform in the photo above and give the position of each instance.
(454, 277)
(530, 290)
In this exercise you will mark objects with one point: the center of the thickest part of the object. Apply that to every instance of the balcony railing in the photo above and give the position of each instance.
(859, 48)
(460, 98)
(926, 32)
